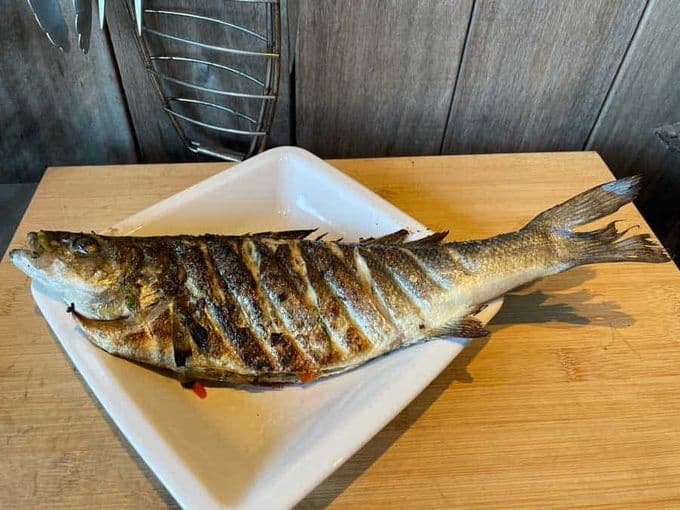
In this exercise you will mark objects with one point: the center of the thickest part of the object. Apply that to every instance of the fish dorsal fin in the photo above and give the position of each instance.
(397, 237)
(467, 327)
(285, 234)
(435, 238)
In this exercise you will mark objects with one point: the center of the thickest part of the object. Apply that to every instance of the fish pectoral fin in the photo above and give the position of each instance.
(467, 327)
(108, 334)
(147, 337)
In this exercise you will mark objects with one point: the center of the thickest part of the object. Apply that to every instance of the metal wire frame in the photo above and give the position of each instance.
(269, 84)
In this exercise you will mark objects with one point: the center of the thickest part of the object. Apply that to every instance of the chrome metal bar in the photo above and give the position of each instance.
(138, 16)
(101, 4)
(206, 18)
(268, 108)
(213, 105)
(226, 155)
(207, 89)
(210, 46)
(213, 64)
(267, 88)
(213, 126)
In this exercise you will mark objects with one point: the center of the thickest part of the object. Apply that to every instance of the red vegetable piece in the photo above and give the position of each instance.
(199, 390)
(305, 377)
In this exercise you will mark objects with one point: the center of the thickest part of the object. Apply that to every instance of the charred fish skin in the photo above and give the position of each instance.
(280, 308)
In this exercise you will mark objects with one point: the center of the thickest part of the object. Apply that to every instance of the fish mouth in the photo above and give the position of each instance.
(36, 246)
(27, 259)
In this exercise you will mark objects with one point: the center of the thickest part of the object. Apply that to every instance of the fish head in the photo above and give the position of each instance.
(85, 269)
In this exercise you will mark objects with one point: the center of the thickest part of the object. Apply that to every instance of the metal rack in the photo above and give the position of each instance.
(247, 119)
(207, 97)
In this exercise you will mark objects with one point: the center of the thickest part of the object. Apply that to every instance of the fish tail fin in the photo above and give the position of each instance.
(604, 244)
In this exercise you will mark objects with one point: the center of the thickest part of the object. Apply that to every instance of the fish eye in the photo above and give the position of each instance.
(85, 245)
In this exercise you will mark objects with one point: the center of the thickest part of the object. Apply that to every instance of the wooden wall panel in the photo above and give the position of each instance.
(56, 108)
(535, 73)
(157, 138)
(375, 77)
(646, 96)
(282, 127)
(292, 10)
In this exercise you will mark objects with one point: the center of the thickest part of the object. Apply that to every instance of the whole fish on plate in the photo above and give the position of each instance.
(276, 307)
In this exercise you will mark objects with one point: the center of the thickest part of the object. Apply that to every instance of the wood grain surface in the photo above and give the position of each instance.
(646, 96)
(56, 108)
(535, 73)
(156, 137)
(573, 401)
(375, 77)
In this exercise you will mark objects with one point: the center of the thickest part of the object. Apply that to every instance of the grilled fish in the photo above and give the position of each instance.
(277, 307)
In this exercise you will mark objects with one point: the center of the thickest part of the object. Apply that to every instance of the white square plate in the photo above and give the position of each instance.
(245, 447)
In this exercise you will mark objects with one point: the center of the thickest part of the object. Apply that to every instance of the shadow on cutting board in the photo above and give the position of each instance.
(546, 302)
(526, 305)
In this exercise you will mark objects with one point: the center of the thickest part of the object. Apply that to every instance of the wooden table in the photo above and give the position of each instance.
(574, 399)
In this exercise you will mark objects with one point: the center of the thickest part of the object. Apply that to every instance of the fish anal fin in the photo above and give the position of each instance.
(467, 327)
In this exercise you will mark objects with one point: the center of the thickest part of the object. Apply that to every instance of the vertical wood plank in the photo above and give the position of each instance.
(375, 77)
(535, 73)
(292, 8)
(157, 138)
(57, 108)
(646, 96)
(281, 128)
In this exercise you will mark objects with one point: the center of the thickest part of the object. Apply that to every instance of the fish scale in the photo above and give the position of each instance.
(279, 308)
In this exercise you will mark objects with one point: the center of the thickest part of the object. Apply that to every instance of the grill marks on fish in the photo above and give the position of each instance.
(290, 258)
(378, 322)
(211, 306)
(292, 356)
(277, 305)
(346, 310)
(372, 288)
(297, 314)
(241, 319)
(408, 273)
(405, 310)
(440, 261)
